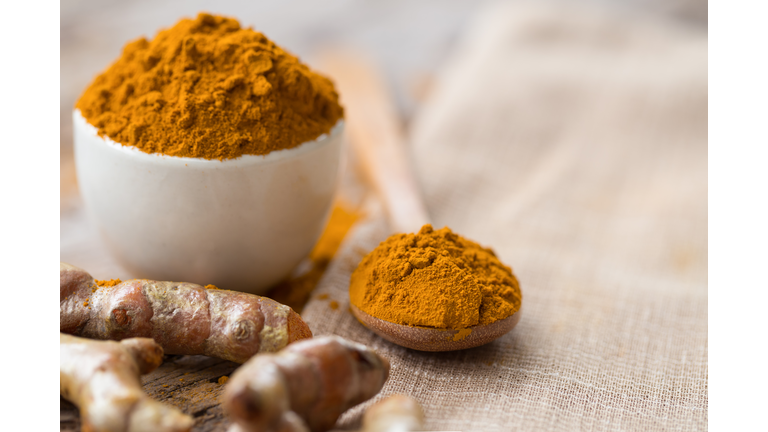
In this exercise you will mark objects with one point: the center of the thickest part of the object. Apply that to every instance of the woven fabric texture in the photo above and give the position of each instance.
(574, 143)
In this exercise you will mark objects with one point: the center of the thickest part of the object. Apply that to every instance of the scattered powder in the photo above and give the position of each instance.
(461, 334)
(295, 291)
(108, 283)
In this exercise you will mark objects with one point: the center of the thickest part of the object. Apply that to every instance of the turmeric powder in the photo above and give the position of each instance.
(207, 88)
(108, 283)
(295, 291)
(434, 278)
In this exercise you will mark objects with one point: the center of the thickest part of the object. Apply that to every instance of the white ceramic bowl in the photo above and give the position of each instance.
(241, 224)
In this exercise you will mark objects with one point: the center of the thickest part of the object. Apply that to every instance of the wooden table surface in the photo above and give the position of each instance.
(408, 39)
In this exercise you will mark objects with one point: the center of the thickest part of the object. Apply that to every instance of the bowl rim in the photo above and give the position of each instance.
(274, 156)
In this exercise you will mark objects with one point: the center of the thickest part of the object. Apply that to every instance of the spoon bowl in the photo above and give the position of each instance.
(432, 339)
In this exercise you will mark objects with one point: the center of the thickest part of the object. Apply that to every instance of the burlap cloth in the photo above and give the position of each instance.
(574, 143)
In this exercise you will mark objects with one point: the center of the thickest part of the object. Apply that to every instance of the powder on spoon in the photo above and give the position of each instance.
(434, 278)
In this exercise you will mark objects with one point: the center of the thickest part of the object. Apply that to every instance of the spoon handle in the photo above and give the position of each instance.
(375, 133)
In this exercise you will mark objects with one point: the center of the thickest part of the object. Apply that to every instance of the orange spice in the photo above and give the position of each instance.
(435, 278)
(208, 88)
(295, 291)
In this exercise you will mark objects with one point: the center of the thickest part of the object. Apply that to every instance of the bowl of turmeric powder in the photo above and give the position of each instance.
(209, 154)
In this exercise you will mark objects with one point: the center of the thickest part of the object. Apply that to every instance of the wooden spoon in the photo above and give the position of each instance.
(374, 131)
(432, 339)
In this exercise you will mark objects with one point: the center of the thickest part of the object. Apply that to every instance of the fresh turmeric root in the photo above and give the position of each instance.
(184, 318)
(397, 413)
(304, 387)
(102, 379)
